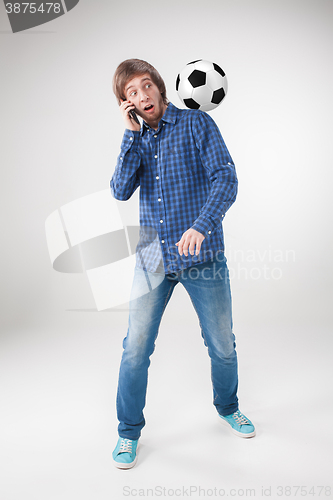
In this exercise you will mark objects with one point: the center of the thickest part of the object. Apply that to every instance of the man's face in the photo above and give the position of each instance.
(146, 97)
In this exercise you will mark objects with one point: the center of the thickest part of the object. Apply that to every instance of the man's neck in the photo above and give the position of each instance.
(154, 124)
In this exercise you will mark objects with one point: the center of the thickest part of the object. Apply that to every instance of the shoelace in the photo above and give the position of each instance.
(240, 419)
(125, 446)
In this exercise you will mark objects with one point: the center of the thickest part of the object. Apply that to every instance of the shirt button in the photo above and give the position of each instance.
(131, 138)
(155, 156)
(155, 136)
(162, 241)
(159, 199)
(161, 221)
(209, 232)
(157, 177)
(121, 157)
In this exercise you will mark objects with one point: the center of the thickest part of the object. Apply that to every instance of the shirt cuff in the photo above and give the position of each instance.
(131, 138)
(205, 225)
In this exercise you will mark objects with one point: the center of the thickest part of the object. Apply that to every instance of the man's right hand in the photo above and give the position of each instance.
(125, 108)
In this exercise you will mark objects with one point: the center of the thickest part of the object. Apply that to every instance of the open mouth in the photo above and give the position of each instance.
(149, 107)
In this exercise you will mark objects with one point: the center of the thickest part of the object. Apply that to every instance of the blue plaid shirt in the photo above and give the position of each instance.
(187, 180)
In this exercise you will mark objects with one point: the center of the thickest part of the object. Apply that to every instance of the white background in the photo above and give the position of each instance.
(60, 136)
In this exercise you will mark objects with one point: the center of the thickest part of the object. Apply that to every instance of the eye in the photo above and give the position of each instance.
(148, 85)
(133, 93)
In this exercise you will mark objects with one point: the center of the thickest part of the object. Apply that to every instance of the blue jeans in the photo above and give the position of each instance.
(209, 289)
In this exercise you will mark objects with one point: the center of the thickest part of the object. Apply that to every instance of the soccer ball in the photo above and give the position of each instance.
(202, 85)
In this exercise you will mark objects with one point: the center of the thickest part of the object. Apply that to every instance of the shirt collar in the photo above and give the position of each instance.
(170, 116)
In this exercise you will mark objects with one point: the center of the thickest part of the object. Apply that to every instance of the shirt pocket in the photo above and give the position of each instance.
(181, 161)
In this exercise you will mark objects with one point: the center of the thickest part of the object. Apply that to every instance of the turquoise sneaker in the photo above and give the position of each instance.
(239, 424)
(124, 454)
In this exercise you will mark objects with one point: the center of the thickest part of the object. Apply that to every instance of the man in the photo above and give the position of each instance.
(187, 182)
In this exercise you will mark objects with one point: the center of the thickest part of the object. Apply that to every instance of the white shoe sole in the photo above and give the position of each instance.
(120, 465)
(237, 433)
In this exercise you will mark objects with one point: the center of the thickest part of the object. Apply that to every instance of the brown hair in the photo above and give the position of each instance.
(130, 69)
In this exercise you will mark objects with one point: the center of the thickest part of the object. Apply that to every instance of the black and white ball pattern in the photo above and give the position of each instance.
(202, 85)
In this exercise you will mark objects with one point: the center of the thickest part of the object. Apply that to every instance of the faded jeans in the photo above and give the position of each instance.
(209, 289)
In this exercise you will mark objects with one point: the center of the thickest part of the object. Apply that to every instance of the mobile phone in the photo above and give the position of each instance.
(133, 115)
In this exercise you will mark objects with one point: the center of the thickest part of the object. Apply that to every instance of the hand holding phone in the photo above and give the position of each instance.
(133, 115)
(130, 118)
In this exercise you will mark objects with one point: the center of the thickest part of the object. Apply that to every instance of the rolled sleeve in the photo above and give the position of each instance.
(221, 172)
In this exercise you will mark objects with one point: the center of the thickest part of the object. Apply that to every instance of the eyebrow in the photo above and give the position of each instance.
(143, 80)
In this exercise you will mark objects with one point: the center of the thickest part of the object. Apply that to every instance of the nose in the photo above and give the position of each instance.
(143, 96)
